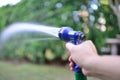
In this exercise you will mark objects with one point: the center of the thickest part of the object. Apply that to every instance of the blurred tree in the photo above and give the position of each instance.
(115, 5)
(96, 20)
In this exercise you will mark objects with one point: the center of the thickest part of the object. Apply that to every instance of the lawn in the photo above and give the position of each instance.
(26, 71)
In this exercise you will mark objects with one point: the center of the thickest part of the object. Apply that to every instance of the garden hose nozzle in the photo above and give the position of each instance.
(67, 34)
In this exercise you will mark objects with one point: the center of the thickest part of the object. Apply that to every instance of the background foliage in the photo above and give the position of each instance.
(56, 13)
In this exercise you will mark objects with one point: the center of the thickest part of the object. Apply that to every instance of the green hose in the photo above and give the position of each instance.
(80, 76)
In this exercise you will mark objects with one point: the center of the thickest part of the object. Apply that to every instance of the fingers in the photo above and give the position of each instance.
(70, 46)
(71, 64)
(70, 59)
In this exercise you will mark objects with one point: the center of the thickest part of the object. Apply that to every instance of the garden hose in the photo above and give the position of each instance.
(67, 34)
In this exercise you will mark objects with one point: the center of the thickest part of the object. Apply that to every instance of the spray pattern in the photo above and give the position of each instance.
(28, 27)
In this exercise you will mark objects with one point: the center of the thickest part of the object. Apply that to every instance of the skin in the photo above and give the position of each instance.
(85, 55)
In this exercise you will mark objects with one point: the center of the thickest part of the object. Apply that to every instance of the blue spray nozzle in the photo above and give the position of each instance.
(64, 33)
(68, 34)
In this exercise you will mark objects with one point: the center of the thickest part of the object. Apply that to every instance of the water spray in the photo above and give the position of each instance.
(21, 29)
(67, 34)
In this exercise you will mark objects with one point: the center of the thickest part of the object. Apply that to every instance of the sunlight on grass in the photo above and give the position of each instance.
(9, 71)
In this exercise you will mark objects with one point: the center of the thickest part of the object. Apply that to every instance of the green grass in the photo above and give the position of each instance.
(10, 71)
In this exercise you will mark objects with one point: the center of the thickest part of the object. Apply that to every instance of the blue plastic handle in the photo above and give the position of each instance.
(78, 72)
(76, 67)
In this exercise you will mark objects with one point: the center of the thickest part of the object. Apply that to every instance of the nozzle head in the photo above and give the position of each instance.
(68, 34)
(64, 33)
(76, 37)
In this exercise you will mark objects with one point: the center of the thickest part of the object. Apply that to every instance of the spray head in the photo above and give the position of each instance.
(67, 34)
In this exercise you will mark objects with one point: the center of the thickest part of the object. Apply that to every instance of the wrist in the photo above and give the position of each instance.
(89, 64)
(90, 61)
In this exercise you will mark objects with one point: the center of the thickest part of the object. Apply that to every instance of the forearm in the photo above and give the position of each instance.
(103, 67)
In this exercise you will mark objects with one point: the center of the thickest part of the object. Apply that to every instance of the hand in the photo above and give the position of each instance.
(81, 53)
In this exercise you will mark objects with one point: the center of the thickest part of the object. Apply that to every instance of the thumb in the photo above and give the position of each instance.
(70, 46)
